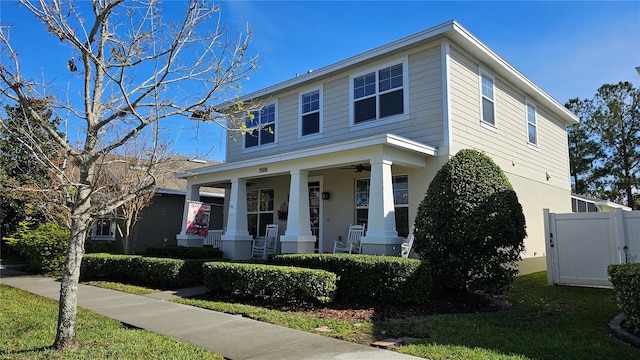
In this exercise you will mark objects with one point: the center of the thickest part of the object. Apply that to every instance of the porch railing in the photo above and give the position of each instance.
(213, 238)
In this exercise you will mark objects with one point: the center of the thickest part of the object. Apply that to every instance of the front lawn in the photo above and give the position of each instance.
(543, 323)
(28, 328)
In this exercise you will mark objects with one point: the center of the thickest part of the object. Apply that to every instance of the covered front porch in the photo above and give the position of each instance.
(315, 194)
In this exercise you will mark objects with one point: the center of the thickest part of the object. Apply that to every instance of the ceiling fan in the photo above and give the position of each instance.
(358, 168)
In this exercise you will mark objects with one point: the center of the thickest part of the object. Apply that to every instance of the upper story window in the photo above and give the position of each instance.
(532, 124)
(310, 113)
(261, 127)
(380, 94)
(488, 109)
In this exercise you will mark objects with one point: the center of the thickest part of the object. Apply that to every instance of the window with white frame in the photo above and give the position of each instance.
(532, 124)
(259, 211)
(488, 110)
(104, 228)
(379, 94)
(261, 127)
(310, 113)
(400, 200)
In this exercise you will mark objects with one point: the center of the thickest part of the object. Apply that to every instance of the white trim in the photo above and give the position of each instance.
(184, 193)
(275, 131)
(482, 74)
(320, 90)
(454, 32)
(446, 95)
(528, 103)
(379, 139)
(404, 60)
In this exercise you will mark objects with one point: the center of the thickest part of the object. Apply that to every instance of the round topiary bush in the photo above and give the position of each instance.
(470, 225)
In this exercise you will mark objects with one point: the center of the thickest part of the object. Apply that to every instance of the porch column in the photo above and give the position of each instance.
(298, 238)
(236, 240)
(192, 194)
(381, 236)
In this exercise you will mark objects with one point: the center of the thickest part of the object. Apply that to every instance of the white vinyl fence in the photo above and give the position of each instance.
(580, 246)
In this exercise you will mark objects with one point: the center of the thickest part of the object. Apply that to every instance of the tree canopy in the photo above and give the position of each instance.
(133, 68)
(604, 147)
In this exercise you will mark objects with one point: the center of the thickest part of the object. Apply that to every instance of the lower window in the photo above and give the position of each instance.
(259, 211)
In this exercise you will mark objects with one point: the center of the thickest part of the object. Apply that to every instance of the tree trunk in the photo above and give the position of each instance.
(68, 305)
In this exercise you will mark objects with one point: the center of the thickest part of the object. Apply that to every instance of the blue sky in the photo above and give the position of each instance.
(568, 48)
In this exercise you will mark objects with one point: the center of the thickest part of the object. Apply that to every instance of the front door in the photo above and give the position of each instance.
(315, 211)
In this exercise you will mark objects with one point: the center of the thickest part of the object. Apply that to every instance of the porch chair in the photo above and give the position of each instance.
(353, 241)
(213, 238)
(407, 245)
(265, 245)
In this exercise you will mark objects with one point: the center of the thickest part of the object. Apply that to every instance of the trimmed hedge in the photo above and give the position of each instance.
(626, 285)
(268, 280)
(145, 271)
(182, 252)
(370, 279)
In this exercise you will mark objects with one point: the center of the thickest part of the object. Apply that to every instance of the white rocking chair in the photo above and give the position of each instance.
(265, 245)
(353, 241)
(407, 245)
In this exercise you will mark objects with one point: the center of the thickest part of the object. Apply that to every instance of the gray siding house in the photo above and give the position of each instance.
(358, 142)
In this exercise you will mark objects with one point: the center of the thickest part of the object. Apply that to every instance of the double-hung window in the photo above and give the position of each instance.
(261, 127)
(379, 94)
(310, 113)
(532, 124)
(400, 200)
(487, 84)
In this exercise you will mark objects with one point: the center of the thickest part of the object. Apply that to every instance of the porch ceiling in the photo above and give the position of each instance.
(388, 147)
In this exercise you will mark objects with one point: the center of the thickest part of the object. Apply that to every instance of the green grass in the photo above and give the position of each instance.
(543, 323)
(28, 326)
(131, 289)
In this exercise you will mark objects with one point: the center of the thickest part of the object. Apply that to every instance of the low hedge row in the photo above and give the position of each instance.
(626, 285)
(370, 278)
(268, 280)
(182, 252)
(145, 271)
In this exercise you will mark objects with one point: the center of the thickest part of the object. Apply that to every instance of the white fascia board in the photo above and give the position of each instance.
(612, 204)
(470, 43)
(381, 139)
(410, 40)
(183, 193)
(450, 29)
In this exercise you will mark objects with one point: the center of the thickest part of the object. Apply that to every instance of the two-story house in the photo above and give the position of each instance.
(359, 141)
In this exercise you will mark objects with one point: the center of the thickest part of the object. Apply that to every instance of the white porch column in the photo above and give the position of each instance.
(236, 240)
(192, 194)
(298, 238)
(381, 236)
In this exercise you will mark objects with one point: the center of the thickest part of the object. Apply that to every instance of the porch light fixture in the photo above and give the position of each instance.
(326, 195)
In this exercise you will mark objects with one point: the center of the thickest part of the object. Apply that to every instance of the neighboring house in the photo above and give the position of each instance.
(360, 140)
(581, 204)
(163, 217)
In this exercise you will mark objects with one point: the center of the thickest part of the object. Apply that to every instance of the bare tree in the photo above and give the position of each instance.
(131, 69)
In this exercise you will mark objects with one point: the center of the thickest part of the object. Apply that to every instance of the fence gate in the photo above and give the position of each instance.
(580, 246)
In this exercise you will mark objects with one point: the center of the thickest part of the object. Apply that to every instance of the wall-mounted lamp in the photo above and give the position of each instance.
(326, 195)
(548, 176)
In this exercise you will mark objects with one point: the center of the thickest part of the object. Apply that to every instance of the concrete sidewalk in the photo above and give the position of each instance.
(233, 336)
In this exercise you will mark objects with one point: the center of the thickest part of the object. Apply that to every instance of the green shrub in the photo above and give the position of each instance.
(370, 279)
(145, 271)
(45, 246)
(470, 225)
(182, 252)
(626, 285)
(268, 280)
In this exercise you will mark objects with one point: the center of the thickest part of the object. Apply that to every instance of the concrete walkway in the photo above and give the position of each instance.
(233, 336)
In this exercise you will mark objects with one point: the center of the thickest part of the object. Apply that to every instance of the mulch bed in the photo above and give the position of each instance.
(449, 303)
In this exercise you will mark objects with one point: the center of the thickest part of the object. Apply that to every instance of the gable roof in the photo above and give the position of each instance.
(455, 33)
